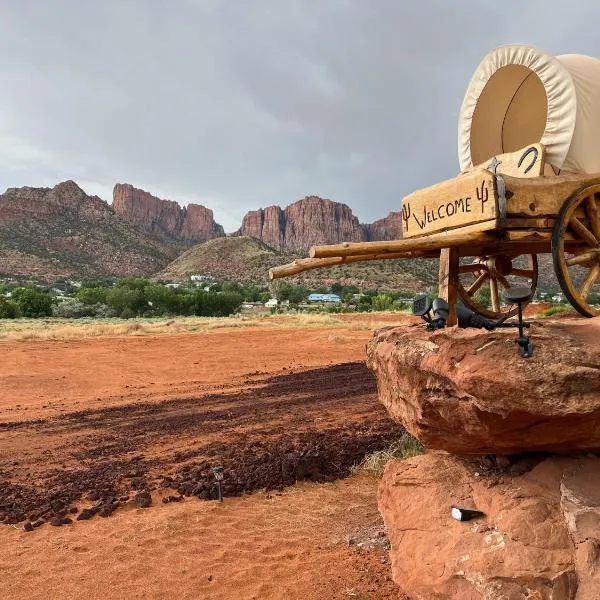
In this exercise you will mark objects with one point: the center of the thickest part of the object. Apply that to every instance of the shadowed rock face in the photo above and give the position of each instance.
(539, 536)
(312, 221)
(165, 218)
(468, 392)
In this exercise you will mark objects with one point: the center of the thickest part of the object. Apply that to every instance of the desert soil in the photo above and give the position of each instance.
(100, 426)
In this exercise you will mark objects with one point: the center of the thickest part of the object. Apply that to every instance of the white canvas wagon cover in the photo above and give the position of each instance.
(520, 95)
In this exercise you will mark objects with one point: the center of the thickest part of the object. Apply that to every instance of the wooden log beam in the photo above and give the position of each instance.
(306, 264)
(543, 196)
(424, 244)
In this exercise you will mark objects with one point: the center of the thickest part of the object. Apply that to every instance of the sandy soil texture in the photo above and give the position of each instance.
(99, 427)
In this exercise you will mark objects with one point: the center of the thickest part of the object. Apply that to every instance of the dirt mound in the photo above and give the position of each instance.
(308, 425)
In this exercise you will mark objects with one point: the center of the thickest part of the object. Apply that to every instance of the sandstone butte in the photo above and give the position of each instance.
(537, 424)
(313, 220)
(302, 224)
(166, 218)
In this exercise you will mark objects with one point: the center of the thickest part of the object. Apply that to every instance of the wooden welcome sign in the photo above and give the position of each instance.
(466, 200)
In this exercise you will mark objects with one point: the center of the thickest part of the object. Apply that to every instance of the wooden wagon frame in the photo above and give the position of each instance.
(498, 218)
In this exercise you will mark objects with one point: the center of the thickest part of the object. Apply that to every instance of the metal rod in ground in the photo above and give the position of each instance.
(220, 491)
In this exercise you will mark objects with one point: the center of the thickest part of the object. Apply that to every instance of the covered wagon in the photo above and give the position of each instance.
(529, 184)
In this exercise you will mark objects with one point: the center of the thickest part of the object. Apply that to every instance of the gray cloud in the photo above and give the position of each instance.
(243, 104)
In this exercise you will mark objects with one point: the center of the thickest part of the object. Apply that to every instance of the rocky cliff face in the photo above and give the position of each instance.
(165, 218)
(314, 220)
(63, 232)
(388, 228)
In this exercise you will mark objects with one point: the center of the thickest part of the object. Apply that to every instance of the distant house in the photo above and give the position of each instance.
(325, 298)
(198, 278)
(271, 302)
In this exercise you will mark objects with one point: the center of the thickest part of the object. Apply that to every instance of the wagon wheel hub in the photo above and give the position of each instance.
(492, 273)
(499, 266)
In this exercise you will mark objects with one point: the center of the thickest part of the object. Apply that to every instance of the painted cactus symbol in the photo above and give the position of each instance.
(482, 194)
(405, 214)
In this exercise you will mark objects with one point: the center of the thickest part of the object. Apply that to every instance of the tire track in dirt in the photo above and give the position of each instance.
(312, 424)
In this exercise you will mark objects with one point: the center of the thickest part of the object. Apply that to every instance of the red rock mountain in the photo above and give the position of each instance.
(62, 232)
(165, 218)
(315, 220)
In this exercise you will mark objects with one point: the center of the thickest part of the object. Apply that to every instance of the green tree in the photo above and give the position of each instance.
(92, 295)
(8, 309)
(209, 304)
(32, 302)
(133, 283)
(120, 297)
(382, 302)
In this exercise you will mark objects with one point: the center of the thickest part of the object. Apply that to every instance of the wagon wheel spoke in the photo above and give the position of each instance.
(591, 210)
(472, 268)
(591, 278)
(478, 283)
(503, 281)
(494, 295)
(583, 232)
(522, 273)
(583, 258)
(580, 214)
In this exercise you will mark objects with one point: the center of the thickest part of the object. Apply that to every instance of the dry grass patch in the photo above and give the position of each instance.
(406, 447)
(64, 329)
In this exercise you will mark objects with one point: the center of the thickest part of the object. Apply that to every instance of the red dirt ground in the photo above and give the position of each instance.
(103, 424)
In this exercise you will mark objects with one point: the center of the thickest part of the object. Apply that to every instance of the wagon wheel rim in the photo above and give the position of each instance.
(495, 272)
(578, 269)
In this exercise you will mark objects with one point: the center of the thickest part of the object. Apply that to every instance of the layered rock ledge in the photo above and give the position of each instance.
(468, 391)
(539, 538)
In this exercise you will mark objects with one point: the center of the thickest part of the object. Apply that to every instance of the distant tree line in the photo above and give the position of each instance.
(132, 297)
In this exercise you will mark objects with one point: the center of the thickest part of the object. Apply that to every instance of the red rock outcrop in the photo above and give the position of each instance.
(265, 224)
(315, 220)
(63, 232)
(165, 218)
(539, 536)
(388, 228)
(468, 391)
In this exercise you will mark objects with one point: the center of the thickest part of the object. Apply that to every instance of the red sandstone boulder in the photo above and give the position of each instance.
(539, 538)
(468, 392)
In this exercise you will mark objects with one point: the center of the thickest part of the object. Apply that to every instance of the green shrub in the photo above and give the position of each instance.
(72, 308)
(32, 302)
(560, 308)
(92, 295)
(8, 309)
(128, 313)
(382, 302)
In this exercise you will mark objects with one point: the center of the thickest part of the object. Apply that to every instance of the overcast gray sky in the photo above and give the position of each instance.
(238, 104)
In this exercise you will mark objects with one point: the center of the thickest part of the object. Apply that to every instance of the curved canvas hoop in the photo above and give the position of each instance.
(504, 107)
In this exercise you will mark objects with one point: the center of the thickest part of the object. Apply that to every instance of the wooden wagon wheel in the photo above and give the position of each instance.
(495, 271)
(578, 269)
